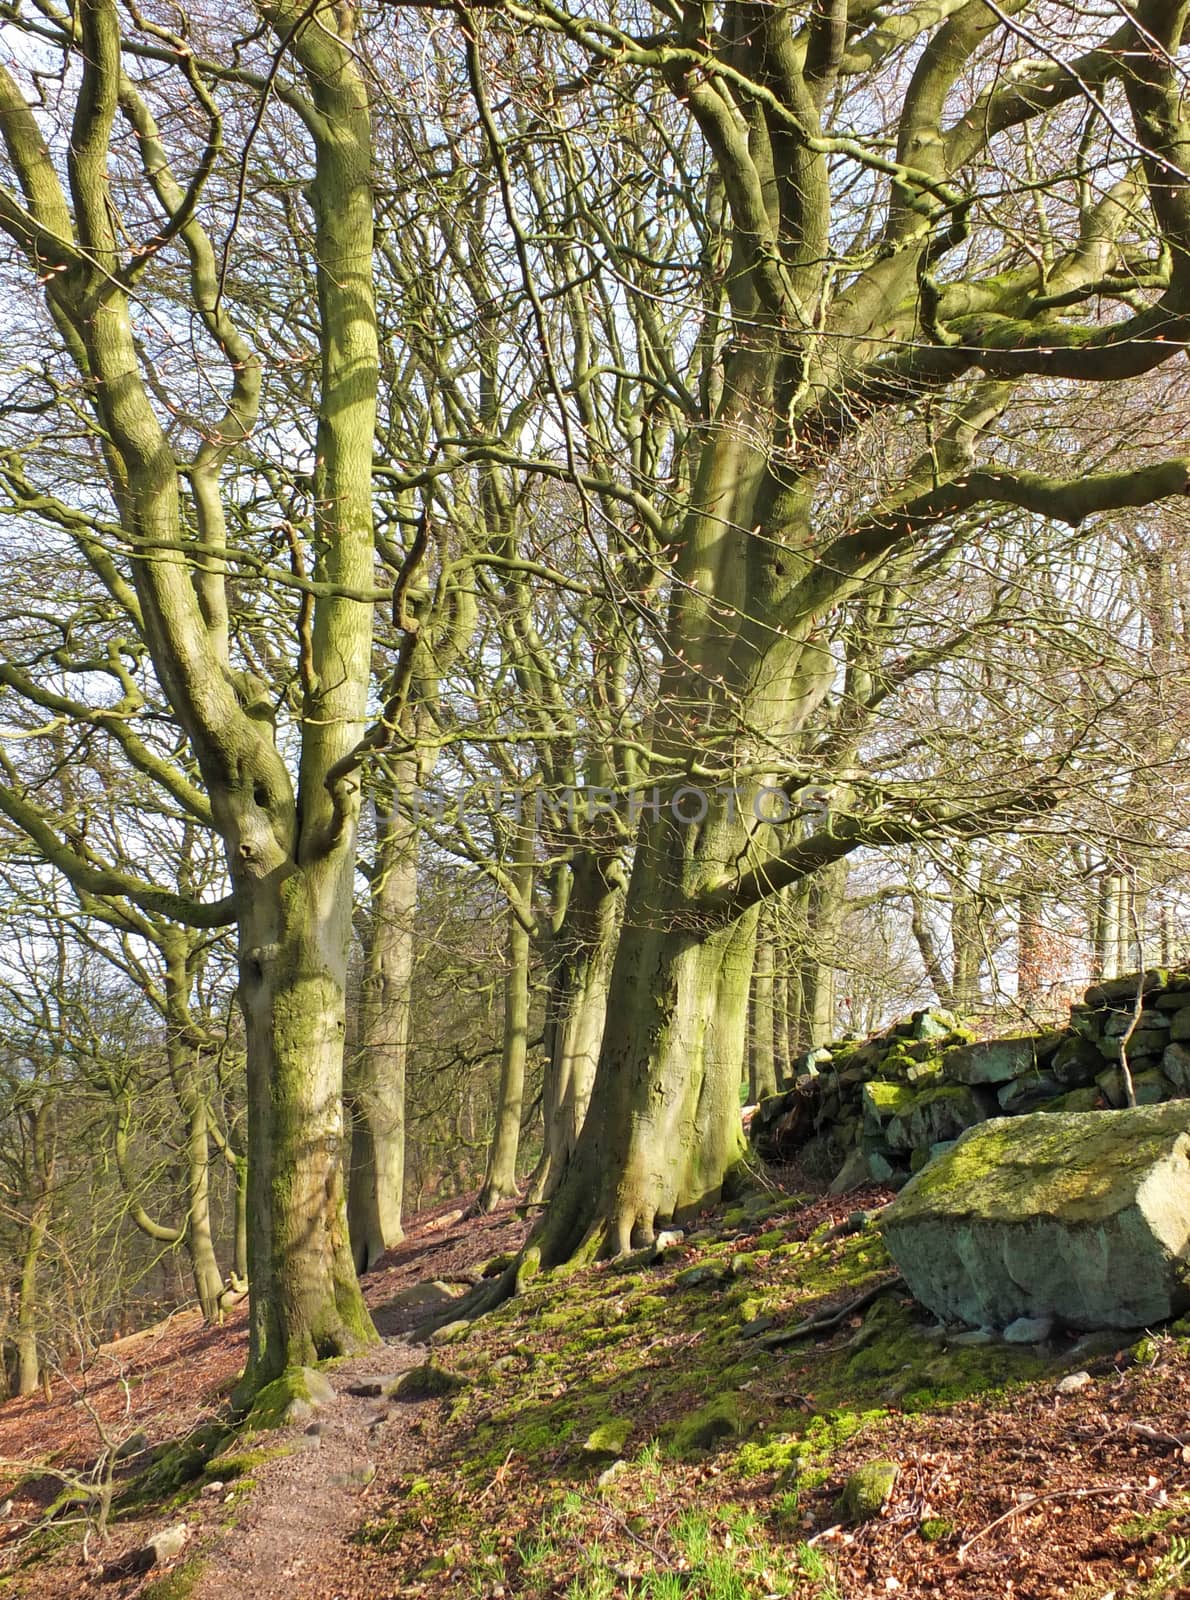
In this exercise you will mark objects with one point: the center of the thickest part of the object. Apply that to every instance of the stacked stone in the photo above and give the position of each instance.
(879, 1110)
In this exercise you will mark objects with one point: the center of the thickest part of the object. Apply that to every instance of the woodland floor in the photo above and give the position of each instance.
(731, 1456)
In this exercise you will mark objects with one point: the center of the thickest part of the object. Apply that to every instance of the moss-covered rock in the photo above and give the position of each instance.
(608, 1439)
(292, 1398)
(427, 1382)
(866, 1491)
(719, 1419)
(1085, 1218)
(991, 1061)
(912, 1116)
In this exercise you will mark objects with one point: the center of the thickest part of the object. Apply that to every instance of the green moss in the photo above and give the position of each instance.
(769, 1240)
(176, 1585)
(1147, 1524)
(1023, 1166)
(609, 1438)
(647, 1306)
(867, 1490)
(293, 1397)
(239, 1464)
(890, 1347)
(935, 1529)
(174, 1467)
(719, 1419)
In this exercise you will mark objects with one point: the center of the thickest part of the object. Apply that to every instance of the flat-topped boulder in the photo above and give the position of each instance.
(1079, 1217)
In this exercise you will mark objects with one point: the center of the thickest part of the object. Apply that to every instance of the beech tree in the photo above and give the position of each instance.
(875, 311)
(111, 188)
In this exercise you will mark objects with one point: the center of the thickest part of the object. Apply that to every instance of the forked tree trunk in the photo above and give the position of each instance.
(500, 1181)
(663, 1130)
(376, 1080)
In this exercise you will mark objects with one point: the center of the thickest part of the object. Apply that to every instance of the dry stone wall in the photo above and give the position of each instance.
(880, 1109)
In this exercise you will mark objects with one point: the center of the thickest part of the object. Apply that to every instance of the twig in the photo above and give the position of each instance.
(1156, 1436)
(833, 1319)
(1040, 1499)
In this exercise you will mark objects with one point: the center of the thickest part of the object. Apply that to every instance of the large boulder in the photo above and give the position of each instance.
(1082, 1217)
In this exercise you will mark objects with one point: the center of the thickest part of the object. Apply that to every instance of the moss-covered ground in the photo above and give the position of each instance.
(625, 1432)
(631, 1434)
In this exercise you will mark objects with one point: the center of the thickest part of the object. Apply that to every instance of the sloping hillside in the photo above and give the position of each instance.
(646, 1429)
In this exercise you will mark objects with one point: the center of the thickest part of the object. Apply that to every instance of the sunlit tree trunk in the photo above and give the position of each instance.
(500, 1180)
(377, 1077)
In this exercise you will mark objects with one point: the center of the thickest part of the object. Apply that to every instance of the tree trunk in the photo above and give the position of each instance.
(581, 955)
(663, 1130)
(28, 1310)
(306, 1303)
(1030, 976)
(1109, 925)
(781, 1024)
(824, 907)
(762, 1067)
(200, 1243)
(500, 1181)
(966, 938)
(377, 1082)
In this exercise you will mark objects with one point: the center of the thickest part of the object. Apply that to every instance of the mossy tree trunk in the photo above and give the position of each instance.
(39, 1175)
(499, 1182)
(290, 846)
(662, 1131)
(762, 1063)
(580, 956)
(376, 1081)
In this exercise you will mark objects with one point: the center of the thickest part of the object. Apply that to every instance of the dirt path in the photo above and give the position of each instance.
(290, 1540)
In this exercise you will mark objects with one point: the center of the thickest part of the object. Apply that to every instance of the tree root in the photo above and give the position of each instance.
(832, 1319)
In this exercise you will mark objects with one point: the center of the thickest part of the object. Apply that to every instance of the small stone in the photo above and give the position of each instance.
(866, 1491)
(755, 1326)
(170, 1542)
(1073, 1382)
(1179, 1027)
(426, 1382)
(1027, 1093)
(216, 1486)
(990, 1062)
(1076, 1063)
(933, 1024)
(1029, 1330)
(975, 1336)
(880, 1169)
(609, 1474)
(358, 1476)
(668, 1237)
(1175, 1064)
(134, 1445)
